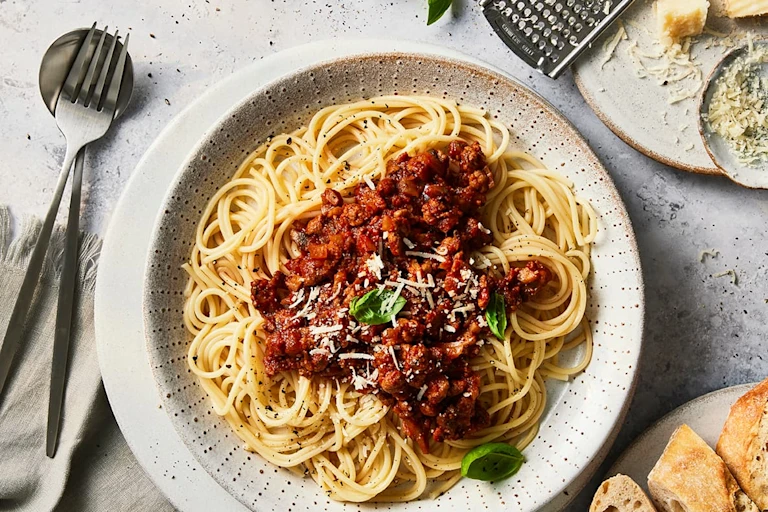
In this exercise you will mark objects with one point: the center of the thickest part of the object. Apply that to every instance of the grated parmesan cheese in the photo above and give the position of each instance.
(738, 110)
(671, 67)
(430, 299)
(324, 329)
(420, 395)
(729, 272)
(369, 182)
(394, 359)
(375, 265)
(464, 309)
(483, 263)
(610, 45)
(299, 298)
(712, 253)
(391, 301)
(314, 293)
(427, 255)
(356, 355)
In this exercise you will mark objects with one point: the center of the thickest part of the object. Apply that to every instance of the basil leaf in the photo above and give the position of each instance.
(436, 10)
(496, 315)
(491, 461)
(376, 307)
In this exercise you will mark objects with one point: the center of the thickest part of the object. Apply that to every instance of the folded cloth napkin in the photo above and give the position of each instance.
(93, 469)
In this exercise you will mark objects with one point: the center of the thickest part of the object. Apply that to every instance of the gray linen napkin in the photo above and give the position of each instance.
(93, 469)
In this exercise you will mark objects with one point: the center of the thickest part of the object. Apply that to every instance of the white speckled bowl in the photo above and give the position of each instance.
(581, 415)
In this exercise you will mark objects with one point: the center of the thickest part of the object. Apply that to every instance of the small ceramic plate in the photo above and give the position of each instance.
(638, 109)
(752, 176)
(705, 415)
(581, 416)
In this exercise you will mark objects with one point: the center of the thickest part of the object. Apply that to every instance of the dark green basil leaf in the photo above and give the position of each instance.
(371, 308)
(491, 461)
(436, 10)
(496, 315)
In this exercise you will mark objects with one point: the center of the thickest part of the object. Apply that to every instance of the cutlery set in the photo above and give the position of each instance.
(86, 105)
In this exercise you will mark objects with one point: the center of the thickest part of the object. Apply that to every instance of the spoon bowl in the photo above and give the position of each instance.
(60, 56)
(749, 176)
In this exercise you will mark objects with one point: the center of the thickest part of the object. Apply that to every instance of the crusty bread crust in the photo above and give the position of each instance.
(743, 443)
(690, 477)
(620, 494)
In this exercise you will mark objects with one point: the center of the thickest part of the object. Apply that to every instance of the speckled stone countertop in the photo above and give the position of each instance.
(703, 333)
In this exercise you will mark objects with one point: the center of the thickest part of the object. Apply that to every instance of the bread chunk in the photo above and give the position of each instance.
(743, 443)
(620, 494)
(690, 477)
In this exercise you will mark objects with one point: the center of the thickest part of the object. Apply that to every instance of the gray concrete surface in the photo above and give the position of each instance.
(703, 333)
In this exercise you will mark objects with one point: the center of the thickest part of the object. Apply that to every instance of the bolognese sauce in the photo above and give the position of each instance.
(411, 234)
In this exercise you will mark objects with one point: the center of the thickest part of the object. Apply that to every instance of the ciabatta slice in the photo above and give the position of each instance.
(620, 494)
(743, 444)
(690, 477)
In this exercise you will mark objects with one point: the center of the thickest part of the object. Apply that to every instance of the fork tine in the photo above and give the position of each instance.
(110, 101)
(73, 78)
(85, 89)
(98, 91)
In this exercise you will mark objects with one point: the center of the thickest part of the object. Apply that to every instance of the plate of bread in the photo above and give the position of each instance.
(645, 76)
(709, 455)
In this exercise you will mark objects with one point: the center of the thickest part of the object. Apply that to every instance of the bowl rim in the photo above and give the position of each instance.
(488, 72)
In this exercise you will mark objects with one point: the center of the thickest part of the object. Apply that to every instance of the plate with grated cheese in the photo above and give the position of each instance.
(644, 78)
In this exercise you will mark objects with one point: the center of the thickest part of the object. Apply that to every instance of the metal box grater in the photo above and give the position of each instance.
(549, 34)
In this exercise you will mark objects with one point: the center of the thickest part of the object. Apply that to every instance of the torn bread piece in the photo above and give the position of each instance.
(678, 19)
(690, 477)
(620, 494)
(743, 443)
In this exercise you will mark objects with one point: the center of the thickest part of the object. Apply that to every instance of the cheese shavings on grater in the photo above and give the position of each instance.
(549, 34)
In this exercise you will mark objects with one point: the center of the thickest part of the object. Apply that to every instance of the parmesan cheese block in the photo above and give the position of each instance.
(743, 8)
(681, 18)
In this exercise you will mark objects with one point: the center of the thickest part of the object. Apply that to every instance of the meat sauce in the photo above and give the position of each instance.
(412, 234)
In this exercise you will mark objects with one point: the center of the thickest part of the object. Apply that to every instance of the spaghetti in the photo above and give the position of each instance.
(348, 440)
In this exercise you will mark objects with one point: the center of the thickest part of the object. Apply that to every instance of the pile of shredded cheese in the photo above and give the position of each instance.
(738, 110)
(671, 67)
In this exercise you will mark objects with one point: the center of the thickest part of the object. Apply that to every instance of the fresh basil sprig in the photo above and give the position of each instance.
(436, 10)
(491, 461)
(496, 315)
(376, 307)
